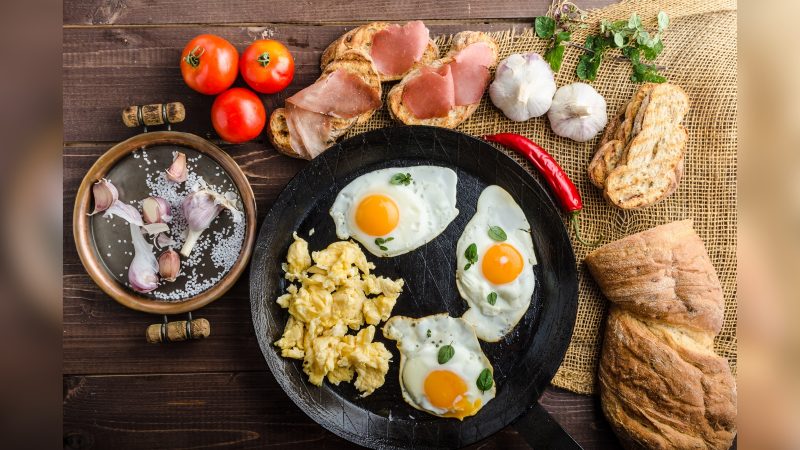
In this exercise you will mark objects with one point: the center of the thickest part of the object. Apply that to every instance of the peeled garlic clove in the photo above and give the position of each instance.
(169, 265)
(178, 172)
(143, 270)
(156, 210)
(105, 194)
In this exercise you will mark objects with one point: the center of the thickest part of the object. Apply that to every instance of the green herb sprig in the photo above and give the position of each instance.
(380, 241)
(401, 178)
(637, 43)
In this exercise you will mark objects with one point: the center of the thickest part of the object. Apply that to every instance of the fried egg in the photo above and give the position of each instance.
(443, 370)
(494, 271)
(393, 211)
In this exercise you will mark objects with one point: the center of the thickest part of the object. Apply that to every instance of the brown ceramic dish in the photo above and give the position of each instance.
(91, 232)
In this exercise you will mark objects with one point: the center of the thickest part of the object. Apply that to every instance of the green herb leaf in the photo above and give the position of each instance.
(554, 56)
(428, 333)
(563, 36)
(635, 21)
(497, 233)
(492, 298)
(446, 353)
(650, 53)
(471, 253)
(401, 178)
(544, 26)
(485, 381)
(643, 38)
(663, 21)
(646, 72)
(619, 39)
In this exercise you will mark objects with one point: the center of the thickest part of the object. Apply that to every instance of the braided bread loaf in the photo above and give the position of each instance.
(661, 384)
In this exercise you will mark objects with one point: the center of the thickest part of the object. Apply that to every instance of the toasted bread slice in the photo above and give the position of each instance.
(354, 61)
(458, 114)
(651, 165)
(360, 38)
(618, 134)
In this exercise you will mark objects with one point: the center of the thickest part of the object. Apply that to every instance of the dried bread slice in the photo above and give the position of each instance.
(354, 61)
(618, 134)
(360, 38)
(650, 165)
(459, 113)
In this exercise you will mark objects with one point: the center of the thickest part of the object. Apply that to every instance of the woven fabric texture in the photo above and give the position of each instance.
(700, 56)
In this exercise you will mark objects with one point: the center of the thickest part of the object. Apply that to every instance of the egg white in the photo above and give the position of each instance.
(495, 207)
(427, 205)
(419, 341)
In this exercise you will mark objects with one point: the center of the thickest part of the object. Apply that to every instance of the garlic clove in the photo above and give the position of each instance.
(178, 172)
(169, 265)
(156, 210)
(143, 270)
(105, 194)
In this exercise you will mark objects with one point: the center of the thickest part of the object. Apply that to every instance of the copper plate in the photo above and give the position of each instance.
(107, 271)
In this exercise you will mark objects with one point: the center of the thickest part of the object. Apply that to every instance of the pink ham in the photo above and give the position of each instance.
(471, 72)
(341, 94)
(430, 94)
(395, 49)
(308, 131)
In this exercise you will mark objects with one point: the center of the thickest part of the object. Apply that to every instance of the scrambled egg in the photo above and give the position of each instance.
(336, 294)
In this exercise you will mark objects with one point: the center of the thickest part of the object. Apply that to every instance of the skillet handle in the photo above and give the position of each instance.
(540, 431)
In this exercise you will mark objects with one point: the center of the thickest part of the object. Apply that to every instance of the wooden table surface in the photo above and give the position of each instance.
(120, 392)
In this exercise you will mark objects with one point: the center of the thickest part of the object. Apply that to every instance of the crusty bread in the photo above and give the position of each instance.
(639, 159)
(360, 38)
(353, 61)
(661, 384)
(458, 114)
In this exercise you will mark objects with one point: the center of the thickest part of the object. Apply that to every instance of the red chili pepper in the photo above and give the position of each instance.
(554, 175)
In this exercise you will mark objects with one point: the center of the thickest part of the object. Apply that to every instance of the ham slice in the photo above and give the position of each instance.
(308, 131)
(471, 72)
(395, 49)
(430, 94)
(341, 94)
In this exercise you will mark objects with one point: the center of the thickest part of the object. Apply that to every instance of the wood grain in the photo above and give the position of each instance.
(242, 410)
(110, 12)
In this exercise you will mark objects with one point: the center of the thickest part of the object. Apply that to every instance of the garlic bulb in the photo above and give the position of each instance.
(523, 86)
(105, 194)
(199, 209)
(578, 112)
(143, 270)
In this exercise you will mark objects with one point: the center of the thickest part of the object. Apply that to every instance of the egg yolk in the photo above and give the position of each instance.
(502, 263)
(377, 215)
(446, 390)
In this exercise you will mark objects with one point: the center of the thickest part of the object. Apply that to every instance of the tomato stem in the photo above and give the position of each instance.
(263, 59)
(193, 58)
(574, 219)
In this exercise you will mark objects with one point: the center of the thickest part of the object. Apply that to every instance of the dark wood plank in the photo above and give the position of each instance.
(106, 70)
(238, 410)
(101, 336)
(101, 12)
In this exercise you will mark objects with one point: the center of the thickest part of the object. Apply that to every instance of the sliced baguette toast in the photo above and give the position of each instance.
(400, 112)
(360, 38)
(650, 162)
(354, 61)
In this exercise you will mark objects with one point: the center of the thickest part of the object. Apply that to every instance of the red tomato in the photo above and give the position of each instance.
(238, 115)
(267, 66)
(209, 64)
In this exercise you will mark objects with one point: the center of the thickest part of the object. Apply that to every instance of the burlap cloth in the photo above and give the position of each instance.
(700, 56)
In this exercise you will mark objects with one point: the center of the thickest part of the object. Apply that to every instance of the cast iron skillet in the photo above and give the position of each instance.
(524, 361)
